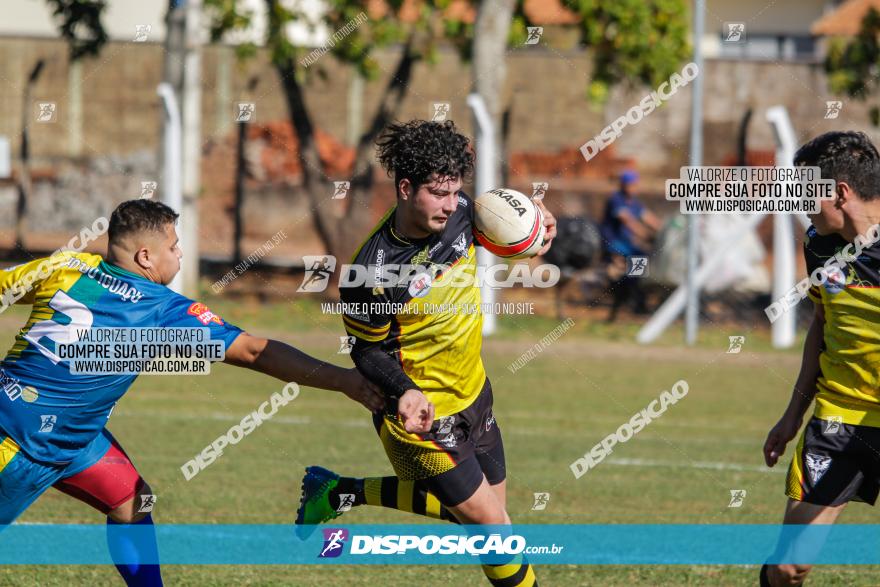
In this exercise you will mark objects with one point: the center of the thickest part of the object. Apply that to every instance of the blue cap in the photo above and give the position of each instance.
(629, 176)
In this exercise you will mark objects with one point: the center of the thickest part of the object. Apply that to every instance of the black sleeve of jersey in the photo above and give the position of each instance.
(381, 368)
(366, 320)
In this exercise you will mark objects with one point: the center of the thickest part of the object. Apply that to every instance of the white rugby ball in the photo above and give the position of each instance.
(508, 224)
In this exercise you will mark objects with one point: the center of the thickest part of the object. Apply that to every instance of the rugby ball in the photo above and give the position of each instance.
(508, 224)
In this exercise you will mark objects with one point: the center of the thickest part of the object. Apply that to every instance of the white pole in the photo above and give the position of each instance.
(485, 180)
(191, 145)
(692, 314)
(172, 189)
(783, 330)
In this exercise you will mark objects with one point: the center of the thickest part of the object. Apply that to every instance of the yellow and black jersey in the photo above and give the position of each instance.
(849, 382)
(414, 309)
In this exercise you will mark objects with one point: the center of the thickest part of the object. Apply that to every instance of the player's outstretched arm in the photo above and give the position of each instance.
(802, 395)
(287, 363)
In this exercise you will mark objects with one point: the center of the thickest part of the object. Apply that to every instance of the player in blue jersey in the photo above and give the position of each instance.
(52, 420)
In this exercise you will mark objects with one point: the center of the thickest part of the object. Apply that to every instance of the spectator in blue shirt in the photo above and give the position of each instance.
(627, 230)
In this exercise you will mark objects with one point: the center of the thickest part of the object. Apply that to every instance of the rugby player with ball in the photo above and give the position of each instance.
(438, 428)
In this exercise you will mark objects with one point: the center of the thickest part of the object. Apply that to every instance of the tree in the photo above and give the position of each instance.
(419, 39)
(79, 22)
(634, 42)
(852, 65)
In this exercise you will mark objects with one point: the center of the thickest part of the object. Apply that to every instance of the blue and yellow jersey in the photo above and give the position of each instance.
(50, 412)
(849, 382)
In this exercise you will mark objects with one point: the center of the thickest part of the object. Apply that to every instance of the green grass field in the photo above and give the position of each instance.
(680, 469)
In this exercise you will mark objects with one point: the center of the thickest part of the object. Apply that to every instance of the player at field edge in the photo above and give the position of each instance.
(53, 422)
(836, 460)
(438, 428)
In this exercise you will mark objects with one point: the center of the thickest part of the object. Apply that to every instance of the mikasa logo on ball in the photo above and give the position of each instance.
(511, 199)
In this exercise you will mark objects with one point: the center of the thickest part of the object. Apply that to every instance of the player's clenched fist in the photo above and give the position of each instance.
(415, 411)
(780, 435)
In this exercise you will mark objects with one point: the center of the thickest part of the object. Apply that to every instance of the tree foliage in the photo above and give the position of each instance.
(79, 22)
(634, 42)
(851, 64)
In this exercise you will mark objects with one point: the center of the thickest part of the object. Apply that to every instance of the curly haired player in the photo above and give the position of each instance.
(438, 428)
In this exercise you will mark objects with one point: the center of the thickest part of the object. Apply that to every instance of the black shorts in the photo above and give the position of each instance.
(835, 463)
(453, 457)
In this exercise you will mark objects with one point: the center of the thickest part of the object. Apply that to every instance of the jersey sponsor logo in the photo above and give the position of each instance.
(11, 386)
(448, 441)
(420, 285)
(817, 465)
(30, 394)
(362, 316)
(836, 282)
(204, 315)
(112, 284)
(421, 257)
(489, 421)
(377, 273)
(460, 245)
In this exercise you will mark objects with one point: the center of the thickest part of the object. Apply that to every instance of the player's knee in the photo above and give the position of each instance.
(497, 518)
(780, 575)
(490, 517)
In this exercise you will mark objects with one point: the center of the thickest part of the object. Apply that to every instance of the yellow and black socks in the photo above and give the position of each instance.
(515, 573)
(389, 492)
